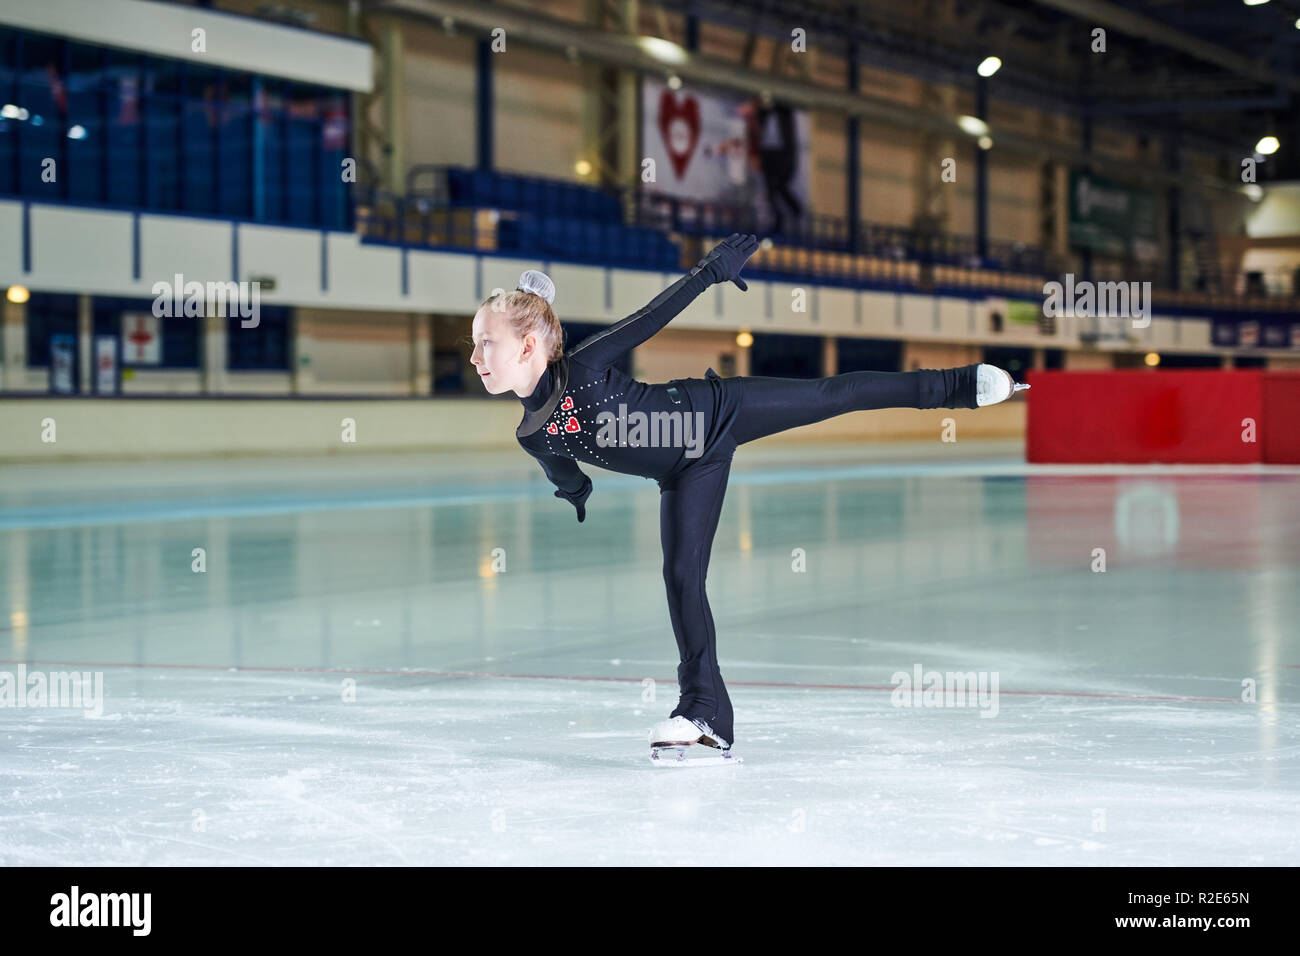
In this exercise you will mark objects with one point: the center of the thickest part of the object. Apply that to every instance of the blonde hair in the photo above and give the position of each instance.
(529, 312)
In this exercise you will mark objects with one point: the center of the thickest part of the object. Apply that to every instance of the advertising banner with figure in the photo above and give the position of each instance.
(731, 150)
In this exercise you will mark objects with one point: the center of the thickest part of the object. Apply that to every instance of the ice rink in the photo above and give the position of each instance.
(425, 659)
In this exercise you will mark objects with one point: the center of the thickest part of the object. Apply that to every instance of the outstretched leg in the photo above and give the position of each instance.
(689, 507)
(770, 405)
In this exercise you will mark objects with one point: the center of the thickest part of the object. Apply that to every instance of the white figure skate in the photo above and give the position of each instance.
(993, 385)
(679, 733)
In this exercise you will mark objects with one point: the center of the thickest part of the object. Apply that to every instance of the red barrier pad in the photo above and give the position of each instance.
(1138, 416)
(1281, 425)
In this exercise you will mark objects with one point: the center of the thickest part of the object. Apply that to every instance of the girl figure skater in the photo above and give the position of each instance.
(518, 347)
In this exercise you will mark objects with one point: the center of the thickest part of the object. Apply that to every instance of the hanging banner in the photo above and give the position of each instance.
(722, 148)
(1112, 219)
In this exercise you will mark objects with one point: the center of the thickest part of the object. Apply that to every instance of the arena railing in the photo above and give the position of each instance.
(815, 247)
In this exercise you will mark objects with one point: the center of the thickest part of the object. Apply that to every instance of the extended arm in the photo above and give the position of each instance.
(723, 263)
(574, 486)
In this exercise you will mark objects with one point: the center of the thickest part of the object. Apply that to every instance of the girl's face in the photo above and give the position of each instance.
(499, 355)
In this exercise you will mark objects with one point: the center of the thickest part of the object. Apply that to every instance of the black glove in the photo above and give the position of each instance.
(725, 260)
(579, 497)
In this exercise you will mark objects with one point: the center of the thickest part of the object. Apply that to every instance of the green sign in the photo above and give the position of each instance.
(1023, 313)
(1111, 218)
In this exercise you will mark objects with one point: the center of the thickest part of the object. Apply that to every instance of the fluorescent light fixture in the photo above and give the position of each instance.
(1267, 146)
(77, 132)
(18, 294)
(973, 125)
(989, 66)
(664, 50)
(9, 111)
(985, 142)
(674, 81)
(1254, 3)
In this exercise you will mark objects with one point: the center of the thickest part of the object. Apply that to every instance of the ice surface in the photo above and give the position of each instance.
(500, 717)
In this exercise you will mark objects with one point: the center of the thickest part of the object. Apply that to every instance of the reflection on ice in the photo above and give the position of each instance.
(424, 659)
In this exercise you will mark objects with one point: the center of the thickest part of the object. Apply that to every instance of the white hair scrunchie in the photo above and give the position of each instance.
(538, 283)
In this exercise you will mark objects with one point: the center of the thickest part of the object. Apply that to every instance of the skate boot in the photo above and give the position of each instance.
(993, 385)
(679, 733)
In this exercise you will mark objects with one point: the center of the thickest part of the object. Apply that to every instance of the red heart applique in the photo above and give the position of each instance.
(567, 404)
(679, 125)
(552, 429)
(572, 425)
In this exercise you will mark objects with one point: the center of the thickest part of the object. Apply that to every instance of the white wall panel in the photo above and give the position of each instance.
(72, 247)
(440, 282)
(234, 42)
(954, 318)
(835, 310)
(580, 292)
(918, 316)
(200, 250)
(290, 256)
(878, 312)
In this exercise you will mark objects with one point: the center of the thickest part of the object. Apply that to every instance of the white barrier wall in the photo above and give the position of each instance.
(145, 428)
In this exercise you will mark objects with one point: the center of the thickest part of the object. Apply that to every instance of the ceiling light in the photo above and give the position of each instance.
(663, 50)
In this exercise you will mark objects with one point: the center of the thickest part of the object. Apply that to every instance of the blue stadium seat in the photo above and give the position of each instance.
(481, 189)
(531, 196)
(508, 192)
(459, 185)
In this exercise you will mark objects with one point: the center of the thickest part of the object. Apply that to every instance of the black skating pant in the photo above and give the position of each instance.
(689, 505)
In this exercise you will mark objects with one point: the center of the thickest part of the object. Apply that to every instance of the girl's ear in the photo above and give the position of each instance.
(530, 346)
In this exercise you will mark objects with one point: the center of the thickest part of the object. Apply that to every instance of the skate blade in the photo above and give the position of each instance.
(664, 756)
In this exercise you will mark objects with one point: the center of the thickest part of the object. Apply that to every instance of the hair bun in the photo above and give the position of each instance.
(538, 283)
